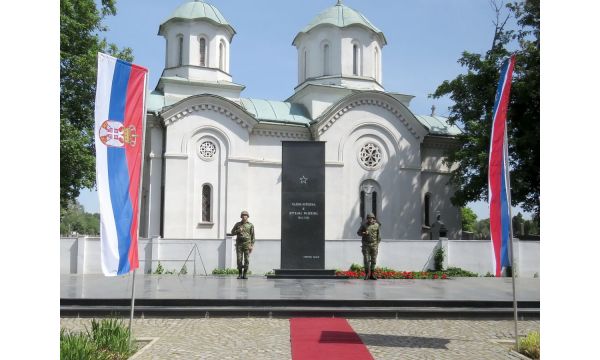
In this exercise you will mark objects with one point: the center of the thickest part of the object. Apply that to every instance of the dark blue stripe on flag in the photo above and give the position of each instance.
(506, 223)
(118, 176)
(500, 89)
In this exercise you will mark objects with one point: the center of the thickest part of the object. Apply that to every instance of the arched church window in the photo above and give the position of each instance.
(326, 59)
(374, 203)
(202, 52)
(427, 205)
(179, 50)
(305, 65)
(222, 56)
(355, 59)
(369, 198)
(362, 204)
(206, 203)
(376, 67)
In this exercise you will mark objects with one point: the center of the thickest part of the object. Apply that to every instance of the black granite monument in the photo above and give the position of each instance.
(303, 211)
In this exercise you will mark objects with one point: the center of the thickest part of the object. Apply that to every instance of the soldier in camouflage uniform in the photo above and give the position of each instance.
(371, 237)
(243, 243)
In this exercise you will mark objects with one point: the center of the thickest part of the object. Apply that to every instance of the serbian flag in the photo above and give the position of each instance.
(498, 173)
(119, 114)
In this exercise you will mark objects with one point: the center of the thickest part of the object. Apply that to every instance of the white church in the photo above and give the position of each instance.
(211, 153)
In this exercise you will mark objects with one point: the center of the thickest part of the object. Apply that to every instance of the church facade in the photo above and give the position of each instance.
(211, 153)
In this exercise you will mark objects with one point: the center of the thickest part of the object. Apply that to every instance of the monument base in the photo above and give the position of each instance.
(304, 274)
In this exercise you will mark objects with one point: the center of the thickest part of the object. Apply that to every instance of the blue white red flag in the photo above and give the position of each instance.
(498, 173)
(119, 114)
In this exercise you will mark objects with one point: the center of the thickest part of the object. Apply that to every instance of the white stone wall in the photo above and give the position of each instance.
(151, 207)
(340, 43)
(175, 92)
(68, 255)
(435, 177)
(397, 177)
(528, 257)
(245, 173)
(264, 201)
(473, 255)
(186, 172)
(82, 255)
(191, 32)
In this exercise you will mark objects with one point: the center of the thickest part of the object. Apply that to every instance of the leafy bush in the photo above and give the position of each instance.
(227, 271)
(111, 336)
(159, 269)
(107, 340)
(183, 270)
(458, 272)
(76, 346)
(356, 267)
(530, 345)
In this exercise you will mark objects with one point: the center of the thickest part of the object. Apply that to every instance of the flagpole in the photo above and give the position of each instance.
(132, 305)
(140, 192)
(511, 243)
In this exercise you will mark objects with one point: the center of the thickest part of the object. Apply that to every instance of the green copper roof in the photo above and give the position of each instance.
(155, 101)
(277, 111)
(438, 125)
(341, 16)
(195, 10)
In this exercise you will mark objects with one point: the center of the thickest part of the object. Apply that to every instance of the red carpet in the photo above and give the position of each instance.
(326, 339)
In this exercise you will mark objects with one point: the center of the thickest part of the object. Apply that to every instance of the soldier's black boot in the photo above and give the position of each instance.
(367, 272)
(244, 274)
(239, 273)
(372, 274)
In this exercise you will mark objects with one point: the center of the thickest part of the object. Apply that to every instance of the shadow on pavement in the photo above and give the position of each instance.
(404, 341)
(339, 337)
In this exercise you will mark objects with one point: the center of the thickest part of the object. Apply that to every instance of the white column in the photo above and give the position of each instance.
(81, 254)
(155, 181)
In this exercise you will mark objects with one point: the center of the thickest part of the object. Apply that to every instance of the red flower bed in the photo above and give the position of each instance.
(392, 274)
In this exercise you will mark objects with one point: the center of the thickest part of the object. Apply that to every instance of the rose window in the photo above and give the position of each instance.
(207, 150)
(370, 155)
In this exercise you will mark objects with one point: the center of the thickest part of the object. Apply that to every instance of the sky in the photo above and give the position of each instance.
(425, 39)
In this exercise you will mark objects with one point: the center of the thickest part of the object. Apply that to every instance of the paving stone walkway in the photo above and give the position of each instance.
(264, 338)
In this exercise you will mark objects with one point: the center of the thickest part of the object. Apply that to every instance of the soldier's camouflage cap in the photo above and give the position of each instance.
(244, 213)
(370, 215)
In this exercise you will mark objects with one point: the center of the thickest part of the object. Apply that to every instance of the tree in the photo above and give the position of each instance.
(469, 219)
(517, 221)
(532, 227)
(74, 219)
(80, 24)
(482, 229)
(473, 94)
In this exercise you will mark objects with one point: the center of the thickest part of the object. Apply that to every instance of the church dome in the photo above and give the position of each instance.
(341, 16)
(197, 10)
